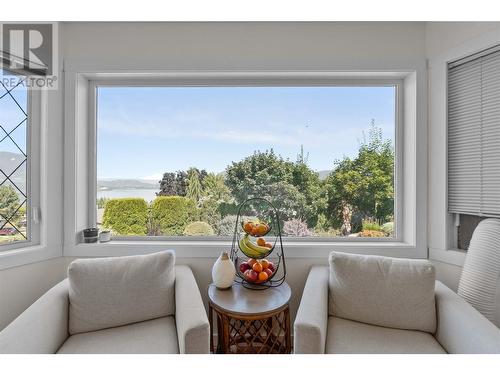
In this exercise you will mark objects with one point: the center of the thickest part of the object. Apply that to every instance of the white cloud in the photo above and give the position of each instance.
(206, 126)
(202, 127)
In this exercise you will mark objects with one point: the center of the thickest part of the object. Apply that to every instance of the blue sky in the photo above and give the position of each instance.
(146, 131)
(11, 116)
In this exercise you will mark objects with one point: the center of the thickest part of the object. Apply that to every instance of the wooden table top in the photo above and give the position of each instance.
(243, 301)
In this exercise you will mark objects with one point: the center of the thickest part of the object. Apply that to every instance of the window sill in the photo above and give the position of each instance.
(210, 249)
(25, 255)
(450, 256)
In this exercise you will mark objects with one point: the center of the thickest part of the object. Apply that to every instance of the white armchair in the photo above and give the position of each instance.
(459, 328)
(54, 323)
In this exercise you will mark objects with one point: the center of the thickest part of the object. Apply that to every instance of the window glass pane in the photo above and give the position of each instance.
(323, 155)
(467, 226)
(13, 159)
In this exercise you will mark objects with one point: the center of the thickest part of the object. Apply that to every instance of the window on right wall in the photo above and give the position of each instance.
(474, 141)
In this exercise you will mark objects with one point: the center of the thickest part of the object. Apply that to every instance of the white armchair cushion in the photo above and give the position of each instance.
(461, 328)
(388, 292)
(157, 336)
(348, 337)
(111, 292)
(41, 328)
(480, 280)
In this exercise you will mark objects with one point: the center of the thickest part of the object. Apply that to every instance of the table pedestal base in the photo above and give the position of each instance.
(258, 334)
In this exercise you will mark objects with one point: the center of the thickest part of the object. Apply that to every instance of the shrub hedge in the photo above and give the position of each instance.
(198, 228)
(126, 216)
(171, 214)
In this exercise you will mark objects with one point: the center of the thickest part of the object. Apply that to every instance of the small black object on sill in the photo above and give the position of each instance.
(90, 235)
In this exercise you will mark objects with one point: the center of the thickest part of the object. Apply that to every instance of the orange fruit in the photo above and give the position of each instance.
(261, 241)
(261, 229)
(251, 262)
(264, 263)
(257, 267)
(255, 230)
(248, 227)
(263, 276)
(269, 245)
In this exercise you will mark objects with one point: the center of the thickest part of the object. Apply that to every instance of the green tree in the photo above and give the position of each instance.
(363, 185)
(9, 201)
(247, 176)
(19, 218)
(292, 186)
(168, 185)
(308, 183)
(215, 193)
(215, 188)
(181, 183)
(174, 183)
(194, 187)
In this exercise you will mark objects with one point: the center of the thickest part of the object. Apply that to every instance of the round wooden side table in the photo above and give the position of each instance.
(250, 321)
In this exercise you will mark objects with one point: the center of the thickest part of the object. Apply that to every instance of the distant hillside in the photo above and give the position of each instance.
(122, 184)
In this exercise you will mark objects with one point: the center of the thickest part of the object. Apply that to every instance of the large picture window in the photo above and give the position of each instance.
(14, 159)
(177, 161)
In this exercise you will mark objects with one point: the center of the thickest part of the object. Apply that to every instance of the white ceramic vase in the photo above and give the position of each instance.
(223, 272)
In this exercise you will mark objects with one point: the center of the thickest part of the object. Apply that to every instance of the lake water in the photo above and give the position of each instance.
(147, 194)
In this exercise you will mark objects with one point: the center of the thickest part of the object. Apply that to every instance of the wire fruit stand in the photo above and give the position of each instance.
(245, 253)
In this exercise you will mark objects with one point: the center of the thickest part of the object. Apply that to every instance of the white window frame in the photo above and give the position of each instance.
(80, 156)
(33, 150)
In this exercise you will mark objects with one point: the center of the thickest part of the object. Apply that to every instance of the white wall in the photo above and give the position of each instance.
(443, 37)
(21, 286)
(445, 42)
(247, 46)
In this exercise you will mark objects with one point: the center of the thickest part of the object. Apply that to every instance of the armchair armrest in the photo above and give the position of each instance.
(193, 330)
(462, 329)
(42, 328)
(312, 317)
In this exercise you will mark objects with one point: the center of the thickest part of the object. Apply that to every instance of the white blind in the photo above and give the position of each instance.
(474, 136)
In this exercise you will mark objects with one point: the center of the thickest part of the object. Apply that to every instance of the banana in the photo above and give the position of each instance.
(247, 250)
(253, 248)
